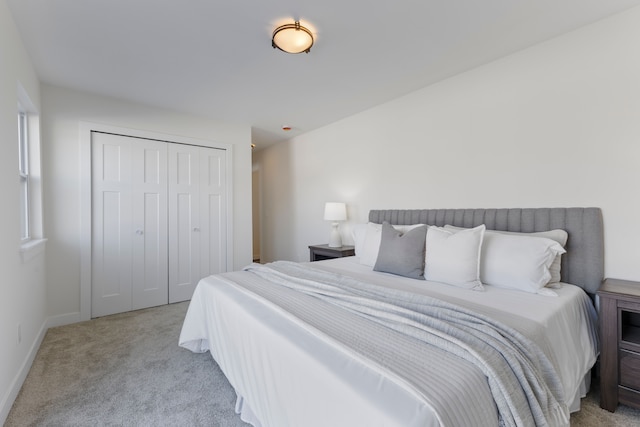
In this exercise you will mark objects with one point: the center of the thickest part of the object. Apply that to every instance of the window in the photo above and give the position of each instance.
(30, 178)
(23, 167)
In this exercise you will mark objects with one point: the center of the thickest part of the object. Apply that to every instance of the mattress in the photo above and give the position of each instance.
(287, 373)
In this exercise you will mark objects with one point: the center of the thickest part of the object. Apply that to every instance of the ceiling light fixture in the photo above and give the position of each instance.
(292, 38)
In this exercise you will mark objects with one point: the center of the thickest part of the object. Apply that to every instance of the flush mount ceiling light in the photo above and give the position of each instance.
(292, 38)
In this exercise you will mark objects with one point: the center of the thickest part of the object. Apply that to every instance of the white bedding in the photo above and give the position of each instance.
(285, 374)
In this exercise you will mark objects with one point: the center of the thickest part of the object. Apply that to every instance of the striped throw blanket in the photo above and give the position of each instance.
(407, 334)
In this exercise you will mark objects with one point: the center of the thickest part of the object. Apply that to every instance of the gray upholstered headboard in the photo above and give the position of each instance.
(582, 265)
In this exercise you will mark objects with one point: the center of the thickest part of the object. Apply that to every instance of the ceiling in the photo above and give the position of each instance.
(214, 57)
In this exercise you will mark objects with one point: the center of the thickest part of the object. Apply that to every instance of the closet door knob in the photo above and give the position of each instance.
(196, 229)
(139, 232)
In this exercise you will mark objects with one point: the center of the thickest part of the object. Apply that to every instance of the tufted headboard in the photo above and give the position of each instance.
(582, 265)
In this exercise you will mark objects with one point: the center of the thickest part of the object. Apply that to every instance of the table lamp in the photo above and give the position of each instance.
(335, 212)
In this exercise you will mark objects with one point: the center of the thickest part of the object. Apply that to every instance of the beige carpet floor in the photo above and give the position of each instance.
(124, 370)
(127, 370)
(591, 415)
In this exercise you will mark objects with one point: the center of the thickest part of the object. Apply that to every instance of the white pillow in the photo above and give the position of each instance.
(367, 243)
(518, 262)
(557, 235)
(358, 232)
(453, 257)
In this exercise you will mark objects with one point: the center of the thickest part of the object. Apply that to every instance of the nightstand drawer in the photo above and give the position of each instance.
(630, 369)
(628, 396)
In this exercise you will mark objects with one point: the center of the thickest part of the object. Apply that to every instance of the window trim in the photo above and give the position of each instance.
(23, 170)
(30, 160)
(30, 249)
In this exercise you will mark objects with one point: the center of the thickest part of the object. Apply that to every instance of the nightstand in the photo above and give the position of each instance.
(320, 252)
(620, 343)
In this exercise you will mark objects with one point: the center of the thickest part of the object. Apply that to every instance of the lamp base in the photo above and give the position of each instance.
(335, 240)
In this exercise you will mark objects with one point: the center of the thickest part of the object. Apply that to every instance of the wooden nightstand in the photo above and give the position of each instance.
(620, 343)
(320, 252)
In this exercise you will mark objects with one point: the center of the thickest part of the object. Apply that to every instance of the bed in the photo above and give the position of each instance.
(337, 343)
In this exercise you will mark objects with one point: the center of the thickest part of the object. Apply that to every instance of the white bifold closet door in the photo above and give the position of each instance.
(158, 221)
(197, 231)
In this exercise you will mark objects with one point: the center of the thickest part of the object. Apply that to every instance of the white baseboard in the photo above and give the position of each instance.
(16, 385)
(63, 319)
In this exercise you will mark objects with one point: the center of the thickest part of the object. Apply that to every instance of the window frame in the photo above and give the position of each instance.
(23, 171)
(32, 240)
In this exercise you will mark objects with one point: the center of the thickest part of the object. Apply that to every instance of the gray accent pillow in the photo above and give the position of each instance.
(402, 254)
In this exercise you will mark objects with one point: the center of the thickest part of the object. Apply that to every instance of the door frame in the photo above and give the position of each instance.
(86, 128)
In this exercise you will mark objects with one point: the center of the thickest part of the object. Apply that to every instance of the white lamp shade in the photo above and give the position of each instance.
(335, 211)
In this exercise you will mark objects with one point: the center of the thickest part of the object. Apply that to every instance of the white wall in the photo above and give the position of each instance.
(63, 111)
(554, 125)
(23, 285)
(255, 207)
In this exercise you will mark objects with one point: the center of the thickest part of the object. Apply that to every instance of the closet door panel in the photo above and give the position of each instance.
(213, 204)
(150, 250)
(111, 240)
(184, 229)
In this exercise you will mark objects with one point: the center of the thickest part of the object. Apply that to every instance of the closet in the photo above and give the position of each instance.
(158, 221)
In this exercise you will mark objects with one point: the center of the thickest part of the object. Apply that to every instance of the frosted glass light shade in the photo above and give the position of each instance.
(292, 38)
(335, 211)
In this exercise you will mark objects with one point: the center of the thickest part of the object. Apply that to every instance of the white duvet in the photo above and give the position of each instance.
(289, 375)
